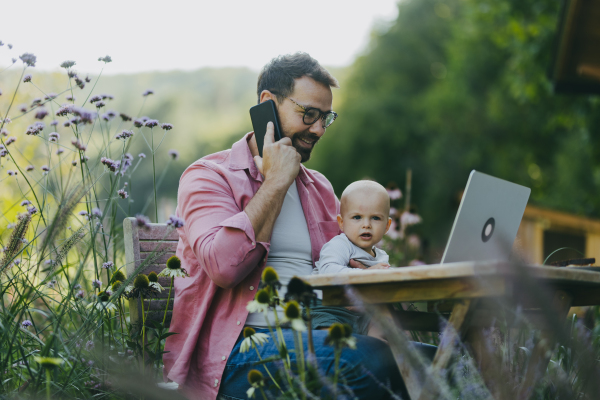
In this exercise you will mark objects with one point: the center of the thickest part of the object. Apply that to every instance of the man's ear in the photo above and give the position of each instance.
(340, 221)
(387, 228)
(266, 95)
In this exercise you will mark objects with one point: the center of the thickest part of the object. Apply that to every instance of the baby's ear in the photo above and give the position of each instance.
(387, 228)
(340, 221)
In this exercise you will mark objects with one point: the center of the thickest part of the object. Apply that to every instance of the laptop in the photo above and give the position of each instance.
(487, 221)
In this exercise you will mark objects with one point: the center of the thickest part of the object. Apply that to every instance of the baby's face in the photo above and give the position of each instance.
(365, 218)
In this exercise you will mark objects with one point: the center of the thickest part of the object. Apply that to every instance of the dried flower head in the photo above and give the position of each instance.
(27, 78)
(28, 59)
(166, 127)
(151, 123)
(142, 221)
(175, 222)
(174, 154)
(67, 64)
(125, 117)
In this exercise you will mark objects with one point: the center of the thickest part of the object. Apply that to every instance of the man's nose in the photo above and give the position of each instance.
(317, 128)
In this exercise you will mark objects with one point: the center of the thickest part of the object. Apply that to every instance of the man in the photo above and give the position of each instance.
(243, 212)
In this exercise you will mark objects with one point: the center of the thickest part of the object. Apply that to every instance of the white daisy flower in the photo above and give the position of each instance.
(293, 314)
(250, 336)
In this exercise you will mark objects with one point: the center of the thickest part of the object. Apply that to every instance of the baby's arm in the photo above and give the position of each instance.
(335, 256)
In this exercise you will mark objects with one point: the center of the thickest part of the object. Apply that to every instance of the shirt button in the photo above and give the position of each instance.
(238, 322)
(264, 259)
(253, 243)
(223, 358)
(251, 287)
(216, 382)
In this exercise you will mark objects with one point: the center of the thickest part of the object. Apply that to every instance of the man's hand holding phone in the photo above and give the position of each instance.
(280, 163)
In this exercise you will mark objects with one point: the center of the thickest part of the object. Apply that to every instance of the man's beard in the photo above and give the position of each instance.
(303, 151)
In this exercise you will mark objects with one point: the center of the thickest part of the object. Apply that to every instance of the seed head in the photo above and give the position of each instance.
(173, 262)
(270, 276)
(118, 276)
(116, 285)
(292, 310)
(153, 277)
(103, 296)
(141, 282)
(263, 296)
(248, 331)
(255, 377)
(336, 331)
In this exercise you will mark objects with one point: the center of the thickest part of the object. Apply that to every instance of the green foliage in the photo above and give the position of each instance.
(453, 86)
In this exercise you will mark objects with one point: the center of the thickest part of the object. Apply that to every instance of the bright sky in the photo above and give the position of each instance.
(175, 34)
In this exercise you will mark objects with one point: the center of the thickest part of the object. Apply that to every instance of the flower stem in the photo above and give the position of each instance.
(48, 384)
(143, 335)
(311, 345)
(338, 353)
(168, 299)
(266, 369)
(154, 178)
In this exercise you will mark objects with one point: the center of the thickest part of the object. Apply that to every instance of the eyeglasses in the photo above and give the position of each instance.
(312, 115)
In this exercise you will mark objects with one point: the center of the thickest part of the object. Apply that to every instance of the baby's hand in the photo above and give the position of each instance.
(380, 266)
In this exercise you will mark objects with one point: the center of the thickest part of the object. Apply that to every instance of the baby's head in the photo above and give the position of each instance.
(364, 213)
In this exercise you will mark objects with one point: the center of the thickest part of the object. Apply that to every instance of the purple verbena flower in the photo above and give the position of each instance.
(107, 96)
(175, 222)
(97, 283)
(7, 121)
(148, 92)
(105, 59)
(26, 324)
(83, 213)
(138, 123)
(11, 172)
(125, 117)
(41, 113)
(25, 203)
(126, 134)
(166, 127)
(35, 101)
(122, 193)
(74, 163)
(28, 59)
(27, 78)
(100, 104)
(64, 110)
(59, 151)
(45, 168)
(50, 96)
(67, 64)
(142, 221)
(95, 98)
(151, 123)
(87, 79)
(79, 82)
(86, 116)
(78, 145)
(53, 137)
(54, 122)
(10, 140)
(70, 97)
(80, 294)
(89, 345)
(32, 210)
(141, 155)
(4, 132)
(108, 265)
(29, 168)
(23, 108)
(35, 129)
(174, 154)
(96, 212)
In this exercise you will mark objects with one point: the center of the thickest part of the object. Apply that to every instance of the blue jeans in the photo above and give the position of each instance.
(372, 355)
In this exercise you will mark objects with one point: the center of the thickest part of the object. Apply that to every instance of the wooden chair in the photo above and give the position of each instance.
(140, 244)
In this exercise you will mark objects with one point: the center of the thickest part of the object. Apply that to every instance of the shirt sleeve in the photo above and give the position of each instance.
(218, 231)
(335, 256)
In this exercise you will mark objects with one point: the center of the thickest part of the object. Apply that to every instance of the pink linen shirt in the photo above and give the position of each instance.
(217, 247)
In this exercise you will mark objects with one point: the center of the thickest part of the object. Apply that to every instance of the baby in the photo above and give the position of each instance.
(364, 218)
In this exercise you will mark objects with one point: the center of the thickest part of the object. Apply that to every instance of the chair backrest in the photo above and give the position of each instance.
(140, 244)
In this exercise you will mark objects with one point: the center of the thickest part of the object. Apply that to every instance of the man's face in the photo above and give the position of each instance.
(308, 93)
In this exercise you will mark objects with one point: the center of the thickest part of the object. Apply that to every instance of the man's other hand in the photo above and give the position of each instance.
(280, 163)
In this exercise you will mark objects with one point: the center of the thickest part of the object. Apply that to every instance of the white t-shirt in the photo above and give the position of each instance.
(290, 250)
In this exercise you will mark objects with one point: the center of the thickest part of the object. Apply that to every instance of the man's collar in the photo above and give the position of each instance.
(241, 158)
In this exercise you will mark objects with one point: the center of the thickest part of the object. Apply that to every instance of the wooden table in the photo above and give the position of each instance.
(472, 293)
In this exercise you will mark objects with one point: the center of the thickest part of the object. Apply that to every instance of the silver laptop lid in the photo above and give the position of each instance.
(487, 221)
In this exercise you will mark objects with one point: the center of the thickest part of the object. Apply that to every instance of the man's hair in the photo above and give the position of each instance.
(279, 74)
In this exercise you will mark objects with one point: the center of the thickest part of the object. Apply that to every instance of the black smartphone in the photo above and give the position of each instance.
(261, 114)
